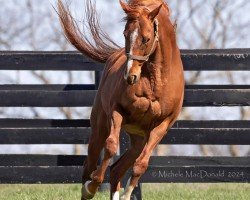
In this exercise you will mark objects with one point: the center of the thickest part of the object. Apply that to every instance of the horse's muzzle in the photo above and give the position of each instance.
(132, 79)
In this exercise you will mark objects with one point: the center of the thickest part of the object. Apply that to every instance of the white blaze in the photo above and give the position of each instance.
(133, 38)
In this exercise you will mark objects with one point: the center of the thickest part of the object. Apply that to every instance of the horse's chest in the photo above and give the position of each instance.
(142, 108)
(145, 107)
(141, 101)
(140, 115)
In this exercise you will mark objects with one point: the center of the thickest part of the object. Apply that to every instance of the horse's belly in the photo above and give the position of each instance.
(134, 129)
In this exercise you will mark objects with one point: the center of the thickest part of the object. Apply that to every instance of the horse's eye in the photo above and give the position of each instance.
(145, 40)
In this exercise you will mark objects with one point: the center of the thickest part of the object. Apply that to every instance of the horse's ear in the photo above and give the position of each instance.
(153, 14)
(124, 6)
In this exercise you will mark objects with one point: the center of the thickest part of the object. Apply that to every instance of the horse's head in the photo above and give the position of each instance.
(141, 38)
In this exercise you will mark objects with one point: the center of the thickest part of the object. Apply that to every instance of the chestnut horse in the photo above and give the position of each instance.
(141, 91)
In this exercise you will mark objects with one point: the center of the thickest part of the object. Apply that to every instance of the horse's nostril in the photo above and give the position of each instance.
(132, 79)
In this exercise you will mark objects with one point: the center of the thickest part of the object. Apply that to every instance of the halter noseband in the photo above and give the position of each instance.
(145, 58)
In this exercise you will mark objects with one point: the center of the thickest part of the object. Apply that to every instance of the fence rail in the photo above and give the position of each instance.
(49, 169)
(80, 135)
(70, 97)
(194, 60)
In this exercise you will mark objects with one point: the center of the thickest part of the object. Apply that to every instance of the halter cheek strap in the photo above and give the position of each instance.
(145, 58)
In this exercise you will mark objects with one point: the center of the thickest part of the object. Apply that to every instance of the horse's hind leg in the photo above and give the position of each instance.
(110, 149)
(120, 167)
(96, 144)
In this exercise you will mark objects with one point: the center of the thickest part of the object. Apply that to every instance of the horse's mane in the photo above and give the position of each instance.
(100, 46)
(135, 6)
(144, 2)
(135, 3)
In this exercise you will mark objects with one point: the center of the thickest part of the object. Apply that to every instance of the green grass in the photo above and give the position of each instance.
(150, 192)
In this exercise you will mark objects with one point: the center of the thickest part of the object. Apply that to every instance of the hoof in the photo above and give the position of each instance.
(86, 194)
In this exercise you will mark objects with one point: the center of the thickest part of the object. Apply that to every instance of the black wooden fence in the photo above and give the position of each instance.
(67, 169)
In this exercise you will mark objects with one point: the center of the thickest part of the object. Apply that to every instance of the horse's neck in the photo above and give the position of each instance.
(167, 49)
(161, 62)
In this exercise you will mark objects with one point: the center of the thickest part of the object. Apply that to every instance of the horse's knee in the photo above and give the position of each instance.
(111, 147)
(140, 168)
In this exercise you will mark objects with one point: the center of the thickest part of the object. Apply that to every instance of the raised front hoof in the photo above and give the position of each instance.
(86, 194)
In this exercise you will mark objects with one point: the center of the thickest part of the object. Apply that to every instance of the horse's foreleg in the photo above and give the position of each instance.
(141, 163)
(119, 168)
(110, 149)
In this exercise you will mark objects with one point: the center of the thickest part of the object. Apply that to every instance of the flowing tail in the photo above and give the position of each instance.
(100, 47)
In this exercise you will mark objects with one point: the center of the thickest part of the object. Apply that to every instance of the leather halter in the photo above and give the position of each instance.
(145, 58)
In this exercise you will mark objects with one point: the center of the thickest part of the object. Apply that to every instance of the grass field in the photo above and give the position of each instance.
(150, 192)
